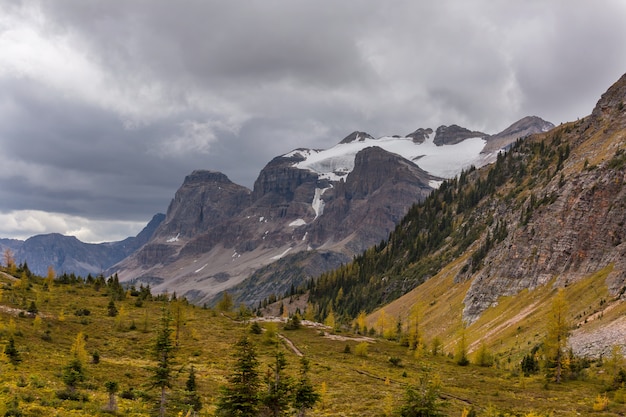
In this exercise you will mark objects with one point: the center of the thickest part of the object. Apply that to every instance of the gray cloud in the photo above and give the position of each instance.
(106, 106)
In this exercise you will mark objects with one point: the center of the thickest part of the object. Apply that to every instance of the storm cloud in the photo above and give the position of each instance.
(105, 106)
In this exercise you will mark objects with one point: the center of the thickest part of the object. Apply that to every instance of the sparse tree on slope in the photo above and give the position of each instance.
(556, 338)
(163, 350)
(240, 398)
(305, 396)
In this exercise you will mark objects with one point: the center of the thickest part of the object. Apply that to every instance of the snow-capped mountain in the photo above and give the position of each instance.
(444, 161)
(309, 211)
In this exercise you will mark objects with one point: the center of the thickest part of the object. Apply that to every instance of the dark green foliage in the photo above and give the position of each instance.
(191, 398)
(73, 375)
(304, 396)
(12, 353)
(241, 396)
(13, 408)
(111, 387)
(619, 380)
(294, 322)
(277, 397)
(255, 328)
(421, 400)
(111, 309)
(395, 361)
(163, 351)
(32, 308)
(115, 289)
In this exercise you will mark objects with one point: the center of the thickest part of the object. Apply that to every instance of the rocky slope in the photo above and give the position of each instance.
(549, 214)
(573, 224)
(309, 209)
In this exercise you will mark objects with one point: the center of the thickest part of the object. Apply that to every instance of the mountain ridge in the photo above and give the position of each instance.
(331, 204)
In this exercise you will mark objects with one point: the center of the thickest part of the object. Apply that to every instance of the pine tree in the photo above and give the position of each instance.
(73, 374)
(111, 387)
(111, 309)
(305, 396)
(163, 351)
(278, 396)
(240, 398)
(191, 397)
(12, 353)
(422, 399)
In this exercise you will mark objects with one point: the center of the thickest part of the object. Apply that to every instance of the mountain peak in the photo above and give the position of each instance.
(453, 134)
(420, 135)
(202, 175)
(356, 136)
(614, 98)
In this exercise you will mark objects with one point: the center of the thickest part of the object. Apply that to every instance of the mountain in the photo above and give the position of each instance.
(310, 210)
(70, 255)
(491, 247)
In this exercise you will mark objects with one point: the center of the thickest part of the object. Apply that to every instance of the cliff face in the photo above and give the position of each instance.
(572, 225)
(325, 206)
(217, 234)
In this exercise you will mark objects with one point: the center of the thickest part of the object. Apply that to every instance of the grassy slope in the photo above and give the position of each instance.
(355, 386)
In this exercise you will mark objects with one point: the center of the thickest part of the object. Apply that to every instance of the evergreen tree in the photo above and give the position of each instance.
(73, 374)
(422, 399)
(305, 396)
(240, 398)
(12, 353)
(111, 387)
(111, 309)
(191, 397)
(278, 396)
(163, 351)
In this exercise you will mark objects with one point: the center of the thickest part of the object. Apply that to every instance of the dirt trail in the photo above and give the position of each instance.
(290, 345)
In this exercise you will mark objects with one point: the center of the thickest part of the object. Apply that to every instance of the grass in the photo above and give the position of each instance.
(352, 385)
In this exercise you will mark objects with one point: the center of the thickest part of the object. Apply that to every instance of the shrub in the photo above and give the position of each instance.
(361, 349)
(255, 328)
(395, 361)
(601, 403)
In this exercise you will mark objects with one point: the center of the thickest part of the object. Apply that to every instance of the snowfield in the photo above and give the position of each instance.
(444, 161)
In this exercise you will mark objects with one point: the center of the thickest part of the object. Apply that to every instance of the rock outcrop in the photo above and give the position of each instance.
(571, 225)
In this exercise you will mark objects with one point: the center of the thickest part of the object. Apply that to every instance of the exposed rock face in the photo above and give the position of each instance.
(356, 136)
(217, 234)
(522, 128)
(453, 134)
(204, 200)
(420, 135)
(298, 217)
(579, 227)
(374, 197)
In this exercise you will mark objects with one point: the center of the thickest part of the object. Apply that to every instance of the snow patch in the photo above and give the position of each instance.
(297, 222)
(435, 184)
(318, 203)
(261, 218)
(173, 239)
(277, 257)
(200, 269)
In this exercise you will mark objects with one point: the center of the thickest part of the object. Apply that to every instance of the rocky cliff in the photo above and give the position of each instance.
(570, 223)
(309, 211)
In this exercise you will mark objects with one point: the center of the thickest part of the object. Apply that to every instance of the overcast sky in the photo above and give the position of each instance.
(106, 105)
